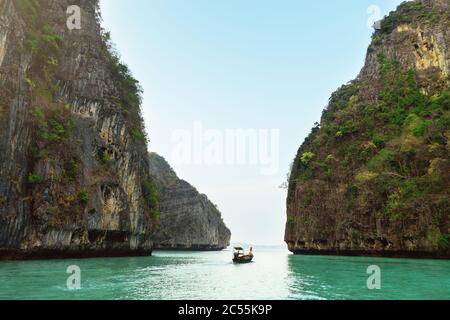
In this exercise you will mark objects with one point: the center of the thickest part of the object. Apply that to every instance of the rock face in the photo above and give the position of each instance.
(373, 177)
(75, 175)
(73, 162)
(188, 220)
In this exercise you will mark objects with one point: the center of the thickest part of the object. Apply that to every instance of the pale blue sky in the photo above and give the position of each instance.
(240, 64)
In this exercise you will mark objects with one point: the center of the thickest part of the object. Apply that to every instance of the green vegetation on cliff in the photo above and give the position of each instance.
(151, 198)
(130, 91)
(412, 12)
(53, 123)
(375, 173)
(392, 156)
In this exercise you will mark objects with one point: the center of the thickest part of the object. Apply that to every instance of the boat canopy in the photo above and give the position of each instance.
(238, 248)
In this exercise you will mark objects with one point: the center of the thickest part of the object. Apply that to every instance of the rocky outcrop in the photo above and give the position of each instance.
(73, 160)
(373, 177)
(187, 219)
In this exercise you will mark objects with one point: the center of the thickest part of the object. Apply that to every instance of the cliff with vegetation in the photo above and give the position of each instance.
(373, 177)
(74, 169)
(188, 220)
(73, 166)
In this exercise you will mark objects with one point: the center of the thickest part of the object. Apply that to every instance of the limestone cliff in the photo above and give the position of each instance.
(373, 177)
(75, 176)
(73, 162)
(188, 220)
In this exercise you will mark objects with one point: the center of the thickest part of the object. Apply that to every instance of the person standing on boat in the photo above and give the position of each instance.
(250, 254)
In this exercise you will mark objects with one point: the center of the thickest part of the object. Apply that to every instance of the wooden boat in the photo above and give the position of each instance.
(240, 257)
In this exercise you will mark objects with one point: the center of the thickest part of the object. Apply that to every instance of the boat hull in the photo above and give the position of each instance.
(241, 260)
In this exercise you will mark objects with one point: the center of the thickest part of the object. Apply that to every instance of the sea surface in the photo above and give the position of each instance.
(274, 274)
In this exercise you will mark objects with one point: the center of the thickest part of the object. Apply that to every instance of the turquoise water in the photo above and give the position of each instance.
(275, 274)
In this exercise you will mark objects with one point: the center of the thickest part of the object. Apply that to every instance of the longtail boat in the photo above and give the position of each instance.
(240, 257)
